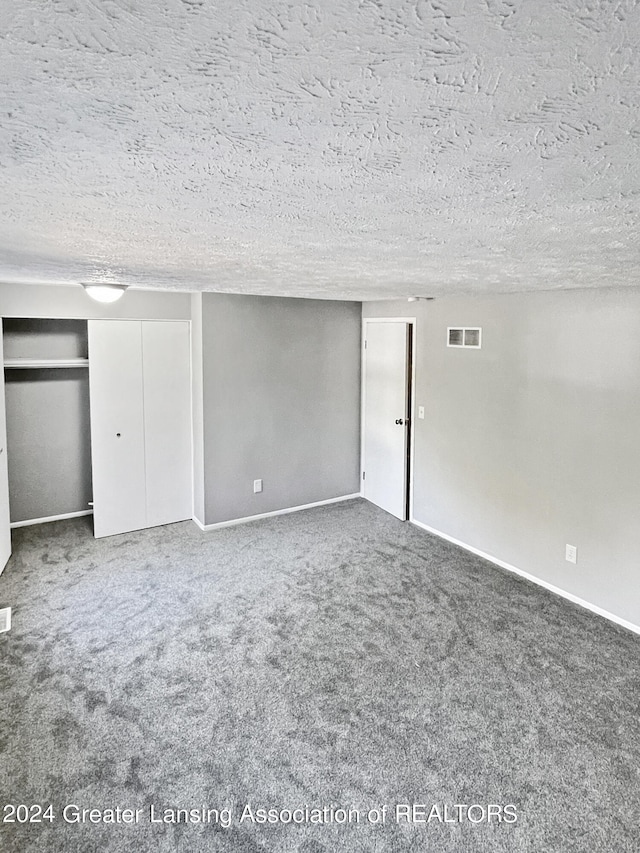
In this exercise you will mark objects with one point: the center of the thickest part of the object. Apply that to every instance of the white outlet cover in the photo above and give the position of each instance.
(257, 486)
(571, 554)
(421, 412)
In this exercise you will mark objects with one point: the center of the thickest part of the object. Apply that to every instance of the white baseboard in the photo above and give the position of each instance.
(29, 521)
(234, 521)
(555, 589)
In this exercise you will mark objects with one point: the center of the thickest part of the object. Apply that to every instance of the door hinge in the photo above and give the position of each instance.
(365, 344)
(364, 475)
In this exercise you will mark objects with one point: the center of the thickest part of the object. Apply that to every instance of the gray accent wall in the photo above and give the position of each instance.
(533, 442)
(281, 380)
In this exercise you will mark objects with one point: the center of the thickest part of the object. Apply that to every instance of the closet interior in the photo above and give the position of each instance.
(48, 419)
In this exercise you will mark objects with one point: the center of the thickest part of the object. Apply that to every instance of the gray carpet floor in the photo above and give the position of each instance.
(333, 658)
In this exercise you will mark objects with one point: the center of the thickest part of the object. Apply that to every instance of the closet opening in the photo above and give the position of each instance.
(48, 423)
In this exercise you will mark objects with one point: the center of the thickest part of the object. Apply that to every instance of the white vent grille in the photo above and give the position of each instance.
(5, 619)
(464, 336)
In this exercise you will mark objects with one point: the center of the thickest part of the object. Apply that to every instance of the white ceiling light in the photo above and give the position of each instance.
(105, 292)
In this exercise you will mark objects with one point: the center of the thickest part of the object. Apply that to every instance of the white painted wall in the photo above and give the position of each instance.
(197, 414)
(532, 442)
(72, 301)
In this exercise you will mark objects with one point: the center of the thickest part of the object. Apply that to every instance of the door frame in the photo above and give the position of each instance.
(412, 322)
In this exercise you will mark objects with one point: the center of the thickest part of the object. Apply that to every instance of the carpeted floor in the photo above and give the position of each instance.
(333, 658)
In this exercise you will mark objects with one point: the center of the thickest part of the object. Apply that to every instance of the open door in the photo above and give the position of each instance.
(5, 528)
(386, 410)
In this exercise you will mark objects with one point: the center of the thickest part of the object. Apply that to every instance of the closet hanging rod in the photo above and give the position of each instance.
(22, 363)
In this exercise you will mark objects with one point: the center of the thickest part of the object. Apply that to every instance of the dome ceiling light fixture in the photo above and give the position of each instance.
(105, 292)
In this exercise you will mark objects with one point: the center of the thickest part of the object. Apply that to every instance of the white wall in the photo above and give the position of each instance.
(71, 301)
(533, 441)
(197, 401)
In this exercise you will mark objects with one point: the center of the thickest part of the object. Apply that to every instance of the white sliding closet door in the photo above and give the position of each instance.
(140, 389)
(166, 354)
(117, 426)
(5, 528)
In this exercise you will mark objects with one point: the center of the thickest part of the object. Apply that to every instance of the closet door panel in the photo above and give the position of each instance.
(117, 426)
(166, 359)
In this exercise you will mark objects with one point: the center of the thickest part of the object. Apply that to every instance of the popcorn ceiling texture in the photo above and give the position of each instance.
(338, 149)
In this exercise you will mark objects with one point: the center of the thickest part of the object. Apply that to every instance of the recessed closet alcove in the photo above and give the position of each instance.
(48, 419)
(98, 419)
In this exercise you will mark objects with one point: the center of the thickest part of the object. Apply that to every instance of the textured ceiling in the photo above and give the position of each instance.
(330, 148)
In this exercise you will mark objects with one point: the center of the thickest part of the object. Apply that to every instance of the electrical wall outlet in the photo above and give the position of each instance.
(571, 554)
(421, 412)
(257, 486)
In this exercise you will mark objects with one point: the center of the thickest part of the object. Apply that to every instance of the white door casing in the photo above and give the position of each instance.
(385, 414)
(5, 520)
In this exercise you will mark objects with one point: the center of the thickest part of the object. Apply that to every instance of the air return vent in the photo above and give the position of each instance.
(5, 619)
(463, 336)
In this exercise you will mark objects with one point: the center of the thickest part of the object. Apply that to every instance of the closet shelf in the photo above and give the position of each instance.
(45, 362)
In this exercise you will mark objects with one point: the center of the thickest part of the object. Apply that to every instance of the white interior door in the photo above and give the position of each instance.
(5, 528)
(386, 402)
(117, 426)
(166, 359)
